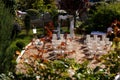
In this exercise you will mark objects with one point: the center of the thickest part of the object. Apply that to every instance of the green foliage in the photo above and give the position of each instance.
(10, 4)
(20, 44)
(25, 4)
(52, 70)
(61, 70)
(8, 76)
(22, 37)
(66, 69)
(27, 24)
(44, 6)
(41, 5)
(6, 25)
(102, 17)
(33, 13)
(111, 62)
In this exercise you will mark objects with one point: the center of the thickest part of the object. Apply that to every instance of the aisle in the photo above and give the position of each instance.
(55, 50)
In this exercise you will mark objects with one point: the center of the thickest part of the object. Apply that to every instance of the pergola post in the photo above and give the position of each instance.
(72, 27)
(64, 17)
(58, 29)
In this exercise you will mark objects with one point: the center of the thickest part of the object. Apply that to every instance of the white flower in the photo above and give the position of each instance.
(71, 72)
(117, 77)
(37, 77)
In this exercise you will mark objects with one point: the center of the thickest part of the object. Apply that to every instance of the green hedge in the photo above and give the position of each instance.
(20, 44)
(33, 13)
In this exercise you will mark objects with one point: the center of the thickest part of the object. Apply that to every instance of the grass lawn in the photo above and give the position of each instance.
(22, 37)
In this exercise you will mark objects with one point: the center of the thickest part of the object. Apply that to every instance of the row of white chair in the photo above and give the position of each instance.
(97, 45)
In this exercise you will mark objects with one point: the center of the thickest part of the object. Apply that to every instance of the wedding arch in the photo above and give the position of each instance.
(65, 17)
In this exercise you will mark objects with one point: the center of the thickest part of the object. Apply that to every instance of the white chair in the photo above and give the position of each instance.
(54, 37)
(95, 37)
(88, 36)
(103, 37)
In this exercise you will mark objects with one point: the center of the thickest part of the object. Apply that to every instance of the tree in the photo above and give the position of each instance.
(6, 25)
(41, 5)
(11, 5)
(25, 4)
(69, 5)
(45, 5)
(102, 17)
(73, 6)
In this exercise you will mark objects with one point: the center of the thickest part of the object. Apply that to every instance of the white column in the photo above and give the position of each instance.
(72, 27)
(58, 30)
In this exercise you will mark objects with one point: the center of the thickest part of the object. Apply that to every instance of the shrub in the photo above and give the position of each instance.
(20, 44)
(8, 76)
(27, 24)
(64, 69)
(6, 25)
(111, 62)
(102, 17)
(33, 13)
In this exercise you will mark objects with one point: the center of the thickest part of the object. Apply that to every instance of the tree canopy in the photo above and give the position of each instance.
(10, 4)
(35, 4)
(71, 6)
